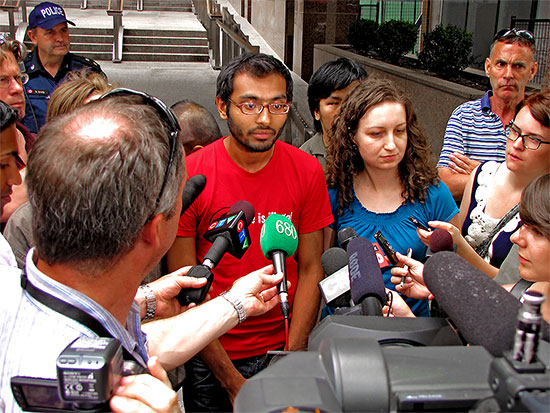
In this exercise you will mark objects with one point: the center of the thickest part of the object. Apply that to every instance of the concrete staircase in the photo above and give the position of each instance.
(139, 44)
(151, 5)
(142, 45)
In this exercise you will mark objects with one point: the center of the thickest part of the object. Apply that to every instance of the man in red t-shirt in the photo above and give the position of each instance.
(254, 93)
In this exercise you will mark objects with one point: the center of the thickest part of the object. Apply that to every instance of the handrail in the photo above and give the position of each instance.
(118, 29)
(11, 9)
(240, 41)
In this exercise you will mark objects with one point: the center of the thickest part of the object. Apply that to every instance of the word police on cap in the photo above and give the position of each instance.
(49, 11)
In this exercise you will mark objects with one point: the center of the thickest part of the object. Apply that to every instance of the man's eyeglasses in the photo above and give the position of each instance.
(253, 108)
(513, 132)
(5, 81)
(166, 115)
(508, 33)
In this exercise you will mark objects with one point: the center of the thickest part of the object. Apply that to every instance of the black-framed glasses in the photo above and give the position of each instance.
(5, 81)
(513, 132)
(253, 108)
(166, 115)
(513, 32)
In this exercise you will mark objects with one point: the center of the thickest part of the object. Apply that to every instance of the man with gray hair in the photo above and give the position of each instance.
(105, 185)
(476, 130)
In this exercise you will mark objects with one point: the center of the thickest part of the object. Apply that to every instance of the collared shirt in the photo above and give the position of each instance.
(41, 85)
(32, 335)
(475, 131)
(316, 147)
(6, 254)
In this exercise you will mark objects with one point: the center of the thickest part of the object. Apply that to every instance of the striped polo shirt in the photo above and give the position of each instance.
(474, 130)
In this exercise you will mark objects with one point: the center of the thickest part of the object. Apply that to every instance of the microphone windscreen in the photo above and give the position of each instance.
(193, 188)
(333, 259)
(484, 312)
(244, 206)
(278, 234)
(345, 235)
(365, 276)
(441, 240)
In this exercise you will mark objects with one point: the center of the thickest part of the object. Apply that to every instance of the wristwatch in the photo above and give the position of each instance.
(150, 302)
(236, 303)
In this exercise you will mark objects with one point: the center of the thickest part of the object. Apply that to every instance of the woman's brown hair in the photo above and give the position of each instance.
(417, 170)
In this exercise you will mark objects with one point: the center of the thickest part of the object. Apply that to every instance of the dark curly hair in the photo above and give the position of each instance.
(417, 170)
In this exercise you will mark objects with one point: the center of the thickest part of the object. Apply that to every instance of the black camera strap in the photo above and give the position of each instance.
(71, 311)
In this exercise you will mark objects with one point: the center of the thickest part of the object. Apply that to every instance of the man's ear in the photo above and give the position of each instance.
(317, 114)
(32, 36)
(487, 65)
(151, 230)
(534, 70)
(222, 108)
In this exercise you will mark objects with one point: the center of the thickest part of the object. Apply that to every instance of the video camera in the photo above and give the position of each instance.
(88, 372)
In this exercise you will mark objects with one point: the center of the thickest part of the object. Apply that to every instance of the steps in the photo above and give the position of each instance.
(165, 46)
(148, 44)
(151, 5)
(141, 45)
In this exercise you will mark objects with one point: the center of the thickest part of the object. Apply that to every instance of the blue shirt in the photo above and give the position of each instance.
(41, 84)
(32, 335)
(396, 227)
(475, 131)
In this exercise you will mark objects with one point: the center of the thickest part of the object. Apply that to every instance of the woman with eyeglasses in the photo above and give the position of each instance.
(489, 211)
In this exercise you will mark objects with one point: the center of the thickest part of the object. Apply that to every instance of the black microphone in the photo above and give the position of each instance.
(345, 235)
(335, 286)
(484, 312)
(228, 234)
(365, 277)
(193, 188)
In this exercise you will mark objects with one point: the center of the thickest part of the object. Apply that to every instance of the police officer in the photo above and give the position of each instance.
(50, 61)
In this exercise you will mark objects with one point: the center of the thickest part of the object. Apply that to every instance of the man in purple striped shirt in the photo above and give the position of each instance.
(476, 130)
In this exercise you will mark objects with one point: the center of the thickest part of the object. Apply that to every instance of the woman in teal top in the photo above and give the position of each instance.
(380, 171)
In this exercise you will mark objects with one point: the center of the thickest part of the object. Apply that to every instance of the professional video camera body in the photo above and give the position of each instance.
(88, 372)
(358, 363)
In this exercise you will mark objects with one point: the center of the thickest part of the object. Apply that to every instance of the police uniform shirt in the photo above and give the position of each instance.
(41, 85)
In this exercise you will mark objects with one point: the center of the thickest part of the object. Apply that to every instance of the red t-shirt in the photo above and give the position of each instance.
(291, 184)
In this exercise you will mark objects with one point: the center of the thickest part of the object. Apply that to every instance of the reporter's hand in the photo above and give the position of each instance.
(458, 239)
(146, 392)
(414, 286)
(167, 288)
(257, 290)
(461, 164)
(399, 307)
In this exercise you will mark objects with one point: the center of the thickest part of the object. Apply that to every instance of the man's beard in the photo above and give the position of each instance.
(245, 143)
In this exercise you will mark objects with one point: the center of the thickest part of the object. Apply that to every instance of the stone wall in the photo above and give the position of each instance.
(433, 99)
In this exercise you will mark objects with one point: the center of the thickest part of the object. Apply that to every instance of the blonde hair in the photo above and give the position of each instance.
(75, 91)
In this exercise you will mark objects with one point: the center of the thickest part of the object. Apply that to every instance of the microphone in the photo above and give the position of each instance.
(440, 240)
(191, 191)
(278, 240)
(345, 235)
(228, 234)
(365, 277)
(484, 312)
(335, 286)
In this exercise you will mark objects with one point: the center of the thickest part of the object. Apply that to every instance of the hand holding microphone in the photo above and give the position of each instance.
(279, 240)
(412, 270)
(228, 234)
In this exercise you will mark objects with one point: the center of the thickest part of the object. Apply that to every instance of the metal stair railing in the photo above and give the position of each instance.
(16, 31)
(114, 8)
(225, 39)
